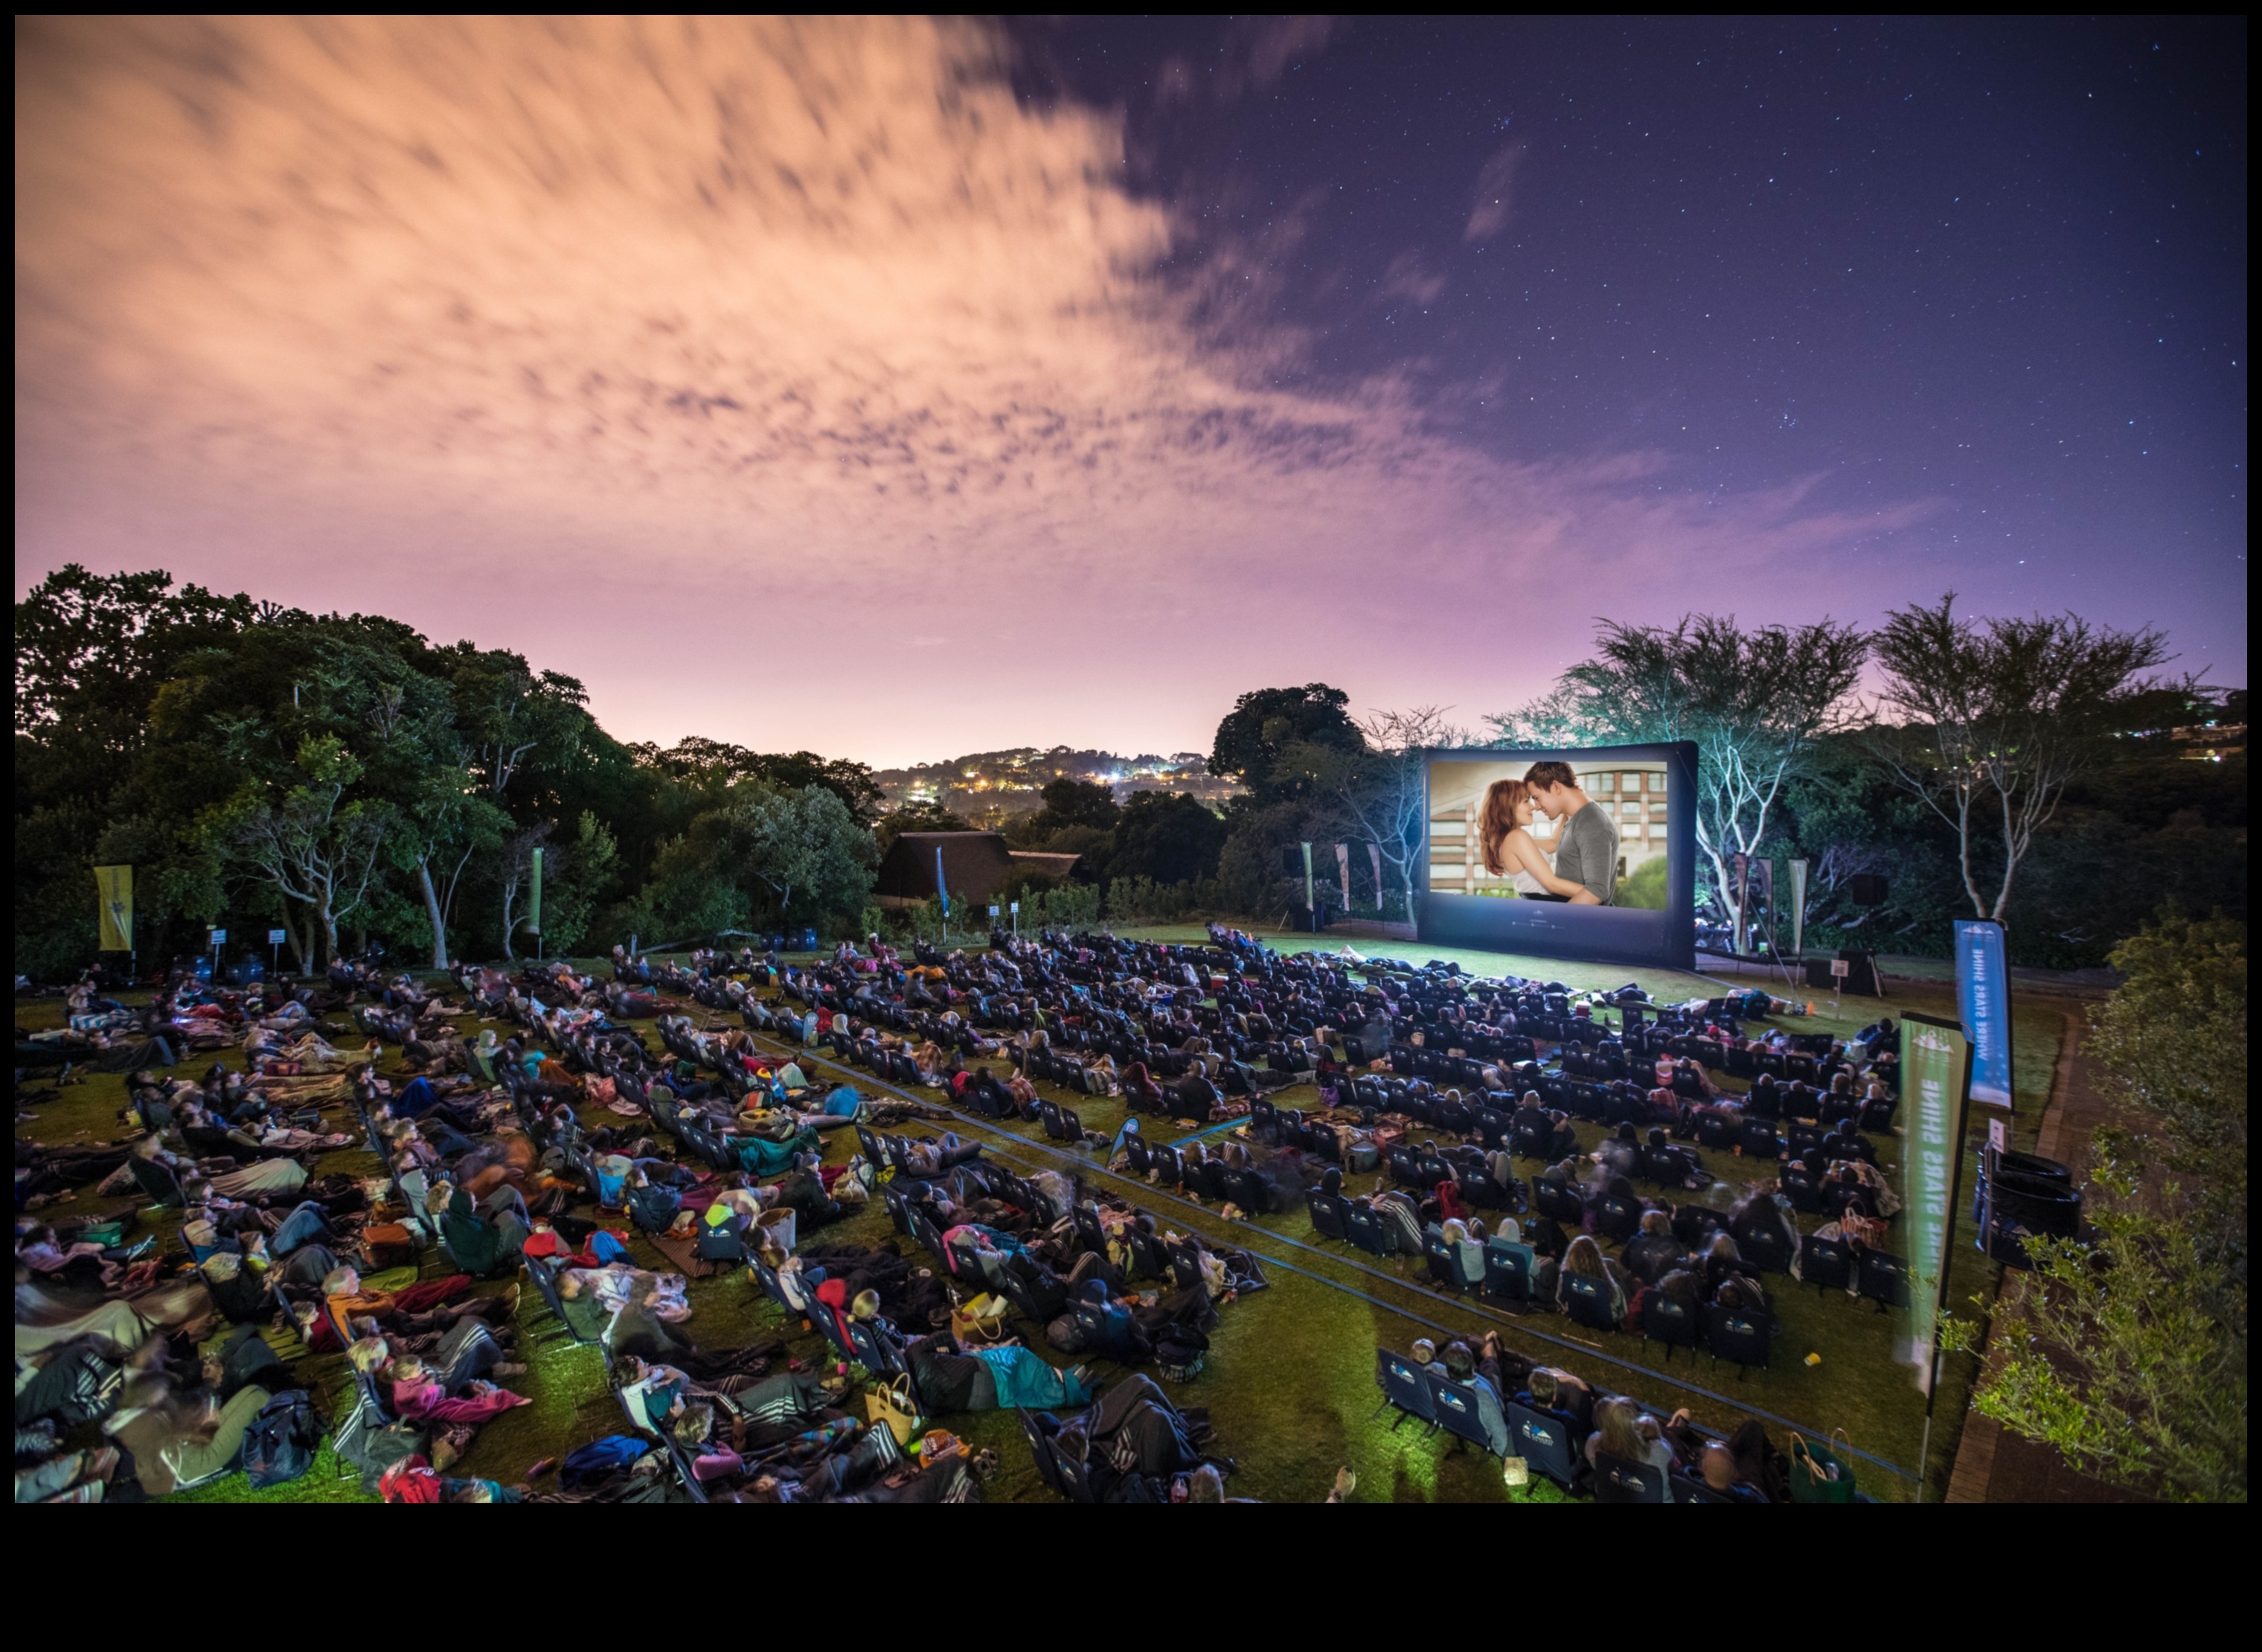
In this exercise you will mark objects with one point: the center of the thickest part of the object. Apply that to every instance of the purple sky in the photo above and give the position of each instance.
(898, 389)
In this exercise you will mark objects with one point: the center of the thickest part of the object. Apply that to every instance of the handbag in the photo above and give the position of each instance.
(982, 1319)
(387, 1245)
(1817, 1473)
(779, 1227)
(894, 1406)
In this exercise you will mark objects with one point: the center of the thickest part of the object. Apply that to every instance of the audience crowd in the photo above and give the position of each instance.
(518, 1173)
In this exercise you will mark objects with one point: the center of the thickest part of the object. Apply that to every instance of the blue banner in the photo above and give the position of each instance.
(1983, 991)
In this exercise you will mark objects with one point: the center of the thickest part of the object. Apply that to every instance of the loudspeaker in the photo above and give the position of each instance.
(1868, 890)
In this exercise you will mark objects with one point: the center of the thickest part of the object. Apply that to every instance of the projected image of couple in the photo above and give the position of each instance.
(1576, 862)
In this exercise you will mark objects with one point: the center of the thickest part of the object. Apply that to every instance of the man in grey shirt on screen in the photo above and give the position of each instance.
(1585, 842)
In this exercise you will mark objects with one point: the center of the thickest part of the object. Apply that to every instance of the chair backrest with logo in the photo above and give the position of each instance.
(1618, 1480)
(1404, 1384)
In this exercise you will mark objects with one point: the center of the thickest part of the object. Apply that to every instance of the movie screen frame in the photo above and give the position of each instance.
(1655, 937)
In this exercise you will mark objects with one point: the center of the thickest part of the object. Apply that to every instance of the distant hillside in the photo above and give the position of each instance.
(990, 786)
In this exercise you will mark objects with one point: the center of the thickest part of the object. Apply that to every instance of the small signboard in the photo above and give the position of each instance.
(1017, 908)
(277, 937)
(219, 937)
(993, 911)
(1841, 968)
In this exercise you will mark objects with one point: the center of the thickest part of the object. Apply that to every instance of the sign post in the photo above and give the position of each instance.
(1983, 993)
(114, 909)
(1839, 970)
(219, 940)
(1016, 919)
(275, 938)
(534, 907)
(1936, 1085)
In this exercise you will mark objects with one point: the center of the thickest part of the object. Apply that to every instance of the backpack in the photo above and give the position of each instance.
(279, 1445)
(585, 1464)
(366, 1441)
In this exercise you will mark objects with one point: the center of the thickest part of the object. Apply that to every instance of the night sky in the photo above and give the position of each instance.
(900, 389)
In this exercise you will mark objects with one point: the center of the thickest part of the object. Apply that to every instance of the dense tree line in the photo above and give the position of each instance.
(343, 778)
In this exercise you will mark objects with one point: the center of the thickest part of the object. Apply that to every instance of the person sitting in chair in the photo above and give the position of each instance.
(1584, 1259)
(1560, 1393)
(1654, 1251)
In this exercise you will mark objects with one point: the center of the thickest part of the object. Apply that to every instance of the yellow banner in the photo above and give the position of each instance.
(114, 907)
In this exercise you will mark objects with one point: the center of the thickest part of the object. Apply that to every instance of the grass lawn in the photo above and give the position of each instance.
(1289, 1382)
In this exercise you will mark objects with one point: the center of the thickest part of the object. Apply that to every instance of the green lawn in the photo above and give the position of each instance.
(1289, 1382)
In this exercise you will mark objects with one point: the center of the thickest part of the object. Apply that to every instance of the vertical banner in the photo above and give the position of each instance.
(1374, 860)
(1983, 992)
(114, 906)
(941, 892)
(1343, 867)
(534, 898)
(1311, 903)
(1798, 909)
(1739, 879)
(1935, 1082)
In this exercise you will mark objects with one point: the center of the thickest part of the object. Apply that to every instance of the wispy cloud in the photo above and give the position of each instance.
(1408, 278)
(707, 324)
(1254, 55)
(1495, 195)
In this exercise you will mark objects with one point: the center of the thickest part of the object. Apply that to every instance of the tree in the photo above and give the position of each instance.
(1265, 724)
(574, 877)
(312, 846)
(92, 649)
(1076, 802)
(1754, 702)
(916, 817)
(158, 724)
(2126, 1349)
(1385, 799)
(445, 827)
(508, 715)
(850, 782)
(808, 850)
(714, 766)
(1168, 837)
(2171, 1043)
(761, 854)
(1996, 718)
(587, 869)
(441, 817)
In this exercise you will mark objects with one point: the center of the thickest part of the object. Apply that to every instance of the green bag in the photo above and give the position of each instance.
(1819, 1473)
